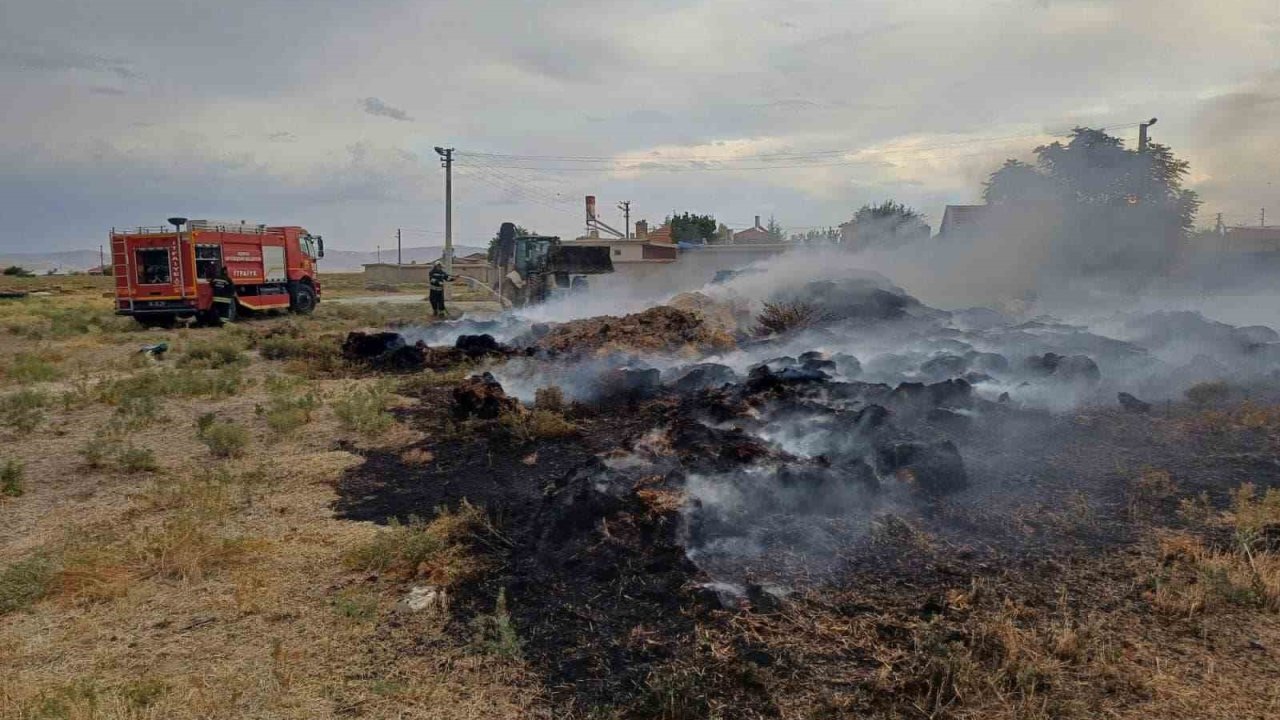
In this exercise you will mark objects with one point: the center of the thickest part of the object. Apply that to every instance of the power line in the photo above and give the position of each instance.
(509, 188)
(758, 157)
(526, 183)
(526, 186)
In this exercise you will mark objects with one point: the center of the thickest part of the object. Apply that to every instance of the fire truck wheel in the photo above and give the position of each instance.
(304, 300)
(209, 318)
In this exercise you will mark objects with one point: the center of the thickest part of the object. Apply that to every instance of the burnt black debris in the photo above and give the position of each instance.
(481, 396)
(698, 482)
(479, 345)
(934, 467)
(703, 376)
(760, 378)
(1132, 404)
(1068, 368)
(628, 385)
(371, 345)
(944, 366)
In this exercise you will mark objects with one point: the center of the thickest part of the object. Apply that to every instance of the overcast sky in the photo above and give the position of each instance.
(324, 113)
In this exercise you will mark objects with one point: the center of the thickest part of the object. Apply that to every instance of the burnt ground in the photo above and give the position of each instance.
(616, 619)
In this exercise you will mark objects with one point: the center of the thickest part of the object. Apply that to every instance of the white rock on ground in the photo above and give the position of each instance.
(427, 598)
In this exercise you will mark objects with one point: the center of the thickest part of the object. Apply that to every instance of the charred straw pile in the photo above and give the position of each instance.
(695, 489)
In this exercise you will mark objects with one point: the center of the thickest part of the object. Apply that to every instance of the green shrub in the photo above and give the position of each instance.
(204, 422)
(25, 582)
(138, 411)
(23, 410)
(137, 460)
(322, 354)
(364, 410)
(439, 550)
(283, 347)
(81, 393)
(285, 415)
(495, 634)
(549, 398)
(45, 322)
(222, 383)
(360, 606)
(225, 439)
(226, 351)
(97, 451)
(216, 384)
(152, 382)
(144, 692)
(291, 404)
(526, 426)
(11, 478)
(1209, 393)
(29, 367)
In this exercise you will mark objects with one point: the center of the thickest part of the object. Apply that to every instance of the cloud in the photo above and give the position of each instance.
(687, 77)
(1233, 148)
(374, 106)
(49, 60)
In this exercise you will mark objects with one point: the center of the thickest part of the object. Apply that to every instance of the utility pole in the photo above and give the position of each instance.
(625, 207)
(1219, 228)
(1142, 134)
(399, 256)
(1262, 220)
(446, 160)
(379, 247)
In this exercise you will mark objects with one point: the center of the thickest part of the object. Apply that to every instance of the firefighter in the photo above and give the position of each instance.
(224, 294)
(437, 278)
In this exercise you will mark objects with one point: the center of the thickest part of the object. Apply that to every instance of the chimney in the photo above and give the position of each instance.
(758, 223)
(642, 229)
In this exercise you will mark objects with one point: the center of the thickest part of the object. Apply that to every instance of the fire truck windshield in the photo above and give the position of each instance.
(308, 244)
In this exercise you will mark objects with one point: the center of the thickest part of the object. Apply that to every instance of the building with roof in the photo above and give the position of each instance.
(1251, 239)
(963, 220)
(476, 266)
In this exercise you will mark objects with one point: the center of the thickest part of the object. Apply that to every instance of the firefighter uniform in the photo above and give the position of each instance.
(437, 279)
(224, 294)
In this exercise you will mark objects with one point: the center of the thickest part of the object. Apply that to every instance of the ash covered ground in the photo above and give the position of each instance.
(769, 447)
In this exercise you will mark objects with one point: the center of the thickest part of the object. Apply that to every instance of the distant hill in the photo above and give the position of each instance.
(335, 260)
(64, 261)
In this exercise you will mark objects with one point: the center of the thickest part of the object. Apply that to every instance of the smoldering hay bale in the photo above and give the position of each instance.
(658, 330)
(729, 316)
(481, 396)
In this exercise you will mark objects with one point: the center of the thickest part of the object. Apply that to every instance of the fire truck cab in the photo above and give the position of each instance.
(165, 274)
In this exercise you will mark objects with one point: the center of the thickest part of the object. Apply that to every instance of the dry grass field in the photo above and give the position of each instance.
(169, 549)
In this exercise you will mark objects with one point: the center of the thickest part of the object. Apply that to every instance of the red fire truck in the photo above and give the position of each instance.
(164, 274)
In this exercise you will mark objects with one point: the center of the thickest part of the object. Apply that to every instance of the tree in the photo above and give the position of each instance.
(827, 236)
(691, 228)
(1014, 182)
(775, 231)
(1106, 210)
(888, 224)
(493, 242)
